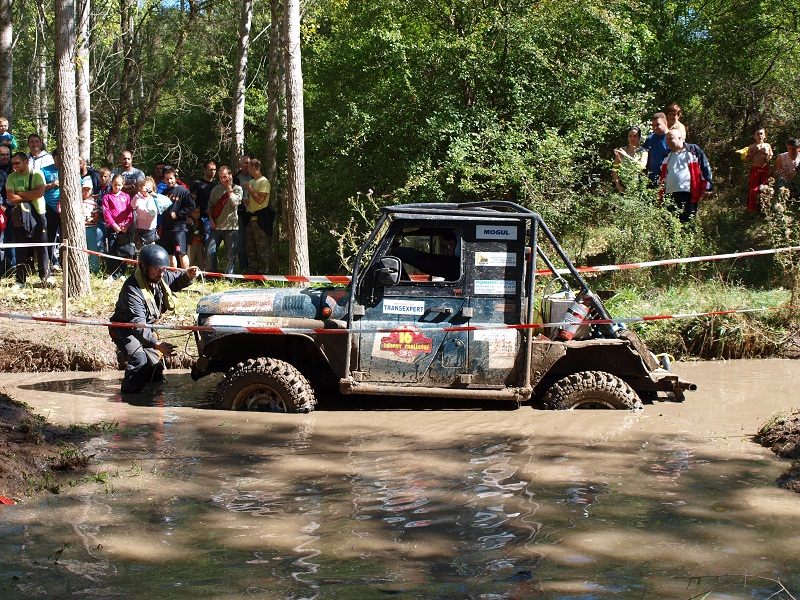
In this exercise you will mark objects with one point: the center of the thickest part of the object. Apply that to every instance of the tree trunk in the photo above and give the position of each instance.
(42, 118)
(239, 87)
(125, 72)
(296, 164)
(274, 89)
(6, 61)
(82, 82)
(72, 227)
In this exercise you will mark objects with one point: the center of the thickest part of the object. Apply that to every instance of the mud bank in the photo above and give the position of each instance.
(782, 434)
(35, 454)
(44, 347)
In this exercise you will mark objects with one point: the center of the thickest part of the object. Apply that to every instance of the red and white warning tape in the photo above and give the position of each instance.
(345, 279)
(676, 261)
(266, 329)
(30, 245)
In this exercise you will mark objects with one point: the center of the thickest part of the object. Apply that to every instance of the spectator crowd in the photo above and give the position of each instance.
(125, 210)
(681, 171)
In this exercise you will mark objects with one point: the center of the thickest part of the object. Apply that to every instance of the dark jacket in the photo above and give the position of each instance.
(182, 205)
(132, 308)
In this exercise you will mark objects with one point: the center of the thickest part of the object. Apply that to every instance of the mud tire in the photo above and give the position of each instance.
(265, 384)
(591, 389)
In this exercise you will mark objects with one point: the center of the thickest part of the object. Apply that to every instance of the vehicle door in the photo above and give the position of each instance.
(402, 337)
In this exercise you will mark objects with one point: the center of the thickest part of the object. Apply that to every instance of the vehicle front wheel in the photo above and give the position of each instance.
(265, 384)
(591, 389)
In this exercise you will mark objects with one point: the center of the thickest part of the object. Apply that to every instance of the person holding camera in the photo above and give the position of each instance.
(144, 297)
(25, 192)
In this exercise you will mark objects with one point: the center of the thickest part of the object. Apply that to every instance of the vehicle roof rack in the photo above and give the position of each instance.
(500, 208)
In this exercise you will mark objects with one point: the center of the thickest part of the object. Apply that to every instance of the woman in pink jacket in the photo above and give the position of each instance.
(118, 216)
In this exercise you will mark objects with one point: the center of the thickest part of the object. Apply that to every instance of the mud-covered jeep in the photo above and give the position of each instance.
(442, 303)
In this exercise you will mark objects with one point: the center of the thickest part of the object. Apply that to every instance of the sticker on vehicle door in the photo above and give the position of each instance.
(495, 259)
(403, 307)
(495, 287)
(496, 232)
(403, 344)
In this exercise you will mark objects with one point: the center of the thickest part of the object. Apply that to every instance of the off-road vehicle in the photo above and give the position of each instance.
(442, 303)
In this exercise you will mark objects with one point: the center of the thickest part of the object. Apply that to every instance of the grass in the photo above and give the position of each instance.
(741, 335)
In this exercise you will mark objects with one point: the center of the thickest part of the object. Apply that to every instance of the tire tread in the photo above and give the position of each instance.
(591, 387)
(299, 394)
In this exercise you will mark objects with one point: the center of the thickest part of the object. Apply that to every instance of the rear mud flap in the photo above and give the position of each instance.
(647, 357)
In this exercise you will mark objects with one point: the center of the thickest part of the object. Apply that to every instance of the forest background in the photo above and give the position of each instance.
(425, 101)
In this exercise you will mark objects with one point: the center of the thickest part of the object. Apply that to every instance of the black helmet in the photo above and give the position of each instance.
(153, 255)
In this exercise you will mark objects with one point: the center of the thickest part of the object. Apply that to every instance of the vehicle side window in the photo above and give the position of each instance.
(428, 254)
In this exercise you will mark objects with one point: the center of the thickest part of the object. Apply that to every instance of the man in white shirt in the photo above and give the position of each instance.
(685, 175)
(38, 157)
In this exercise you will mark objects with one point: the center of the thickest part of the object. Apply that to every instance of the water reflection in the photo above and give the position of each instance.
(353, 504)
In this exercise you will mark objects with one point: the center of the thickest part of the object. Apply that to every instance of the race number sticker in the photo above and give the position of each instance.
(502, 351)
(403, 307)
(495, 259)
(404, 343)
(496, 232)
(495, 287)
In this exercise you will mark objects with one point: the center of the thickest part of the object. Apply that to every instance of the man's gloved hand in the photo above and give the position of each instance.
(165, 348)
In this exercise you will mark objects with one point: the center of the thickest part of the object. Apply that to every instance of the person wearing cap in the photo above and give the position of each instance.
(144, 297)
(786, 167)
(92, 215)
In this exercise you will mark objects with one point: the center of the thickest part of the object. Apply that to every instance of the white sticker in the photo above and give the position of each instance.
(495, 259)
(496, 232)
(242, 321)
(403, 307)
(502, 346)
(495, 287)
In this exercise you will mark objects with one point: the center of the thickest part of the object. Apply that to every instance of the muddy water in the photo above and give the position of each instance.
(359, 501)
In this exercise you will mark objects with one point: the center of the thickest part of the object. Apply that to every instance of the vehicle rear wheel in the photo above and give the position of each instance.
(265, 384)
(591, 389)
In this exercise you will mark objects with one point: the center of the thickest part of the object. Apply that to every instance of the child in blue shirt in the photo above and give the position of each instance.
(6, 138)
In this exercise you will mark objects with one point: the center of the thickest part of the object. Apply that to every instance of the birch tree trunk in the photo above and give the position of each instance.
(42, 118)
(6, 61)
(82, 82)
(72, 227)
(296, 164)
(274, 92)
(239, 88)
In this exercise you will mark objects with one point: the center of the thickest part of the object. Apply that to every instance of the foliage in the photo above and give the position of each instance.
(421, 101)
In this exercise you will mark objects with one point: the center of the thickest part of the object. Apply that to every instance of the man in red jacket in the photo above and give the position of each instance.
(685, 175)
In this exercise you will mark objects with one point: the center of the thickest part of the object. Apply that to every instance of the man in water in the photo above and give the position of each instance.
(144, 297)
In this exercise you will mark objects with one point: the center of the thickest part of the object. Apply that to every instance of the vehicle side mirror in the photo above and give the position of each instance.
(388, 273)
